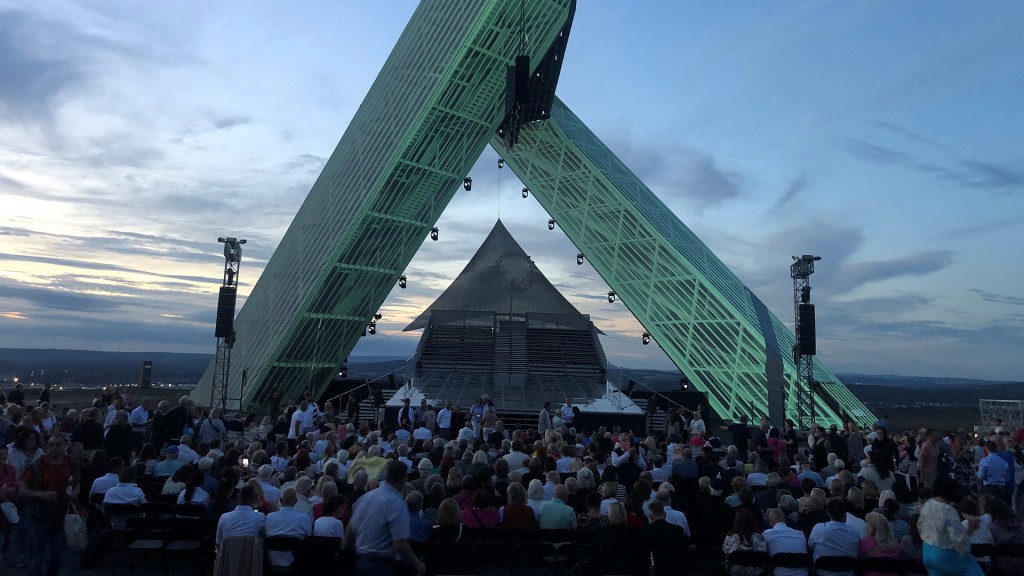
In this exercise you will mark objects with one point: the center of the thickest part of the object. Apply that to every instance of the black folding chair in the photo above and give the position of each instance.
(835, 563)
(495, 557)
(186, 536)
(280, 544)
(145, 535)
(790, 560)
(620, 560)
(748, 558)
(538, 557)
(190, 510)
(883, 565)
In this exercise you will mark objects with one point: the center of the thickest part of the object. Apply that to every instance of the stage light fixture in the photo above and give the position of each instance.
(579, 258)
(611, 297)
(467, 183)
(403, 281)
(501, 163)
(526, 192)
(647, 338)
(433, 232)
(372, 328)
(378, 316)
(551, 223)
(684, 384)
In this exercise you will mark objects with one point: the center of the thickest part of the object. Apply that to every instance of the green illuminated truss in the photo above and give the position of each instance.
(436, 103)
(713, 328)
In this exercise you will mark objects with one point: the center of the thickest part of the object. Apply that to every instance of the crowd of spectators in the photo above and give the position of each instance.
(390, 492)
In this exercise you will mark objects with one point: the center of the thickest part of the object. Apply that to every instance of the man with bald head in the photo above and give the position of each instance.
(782, 539)
(555, 514)
(287, 522)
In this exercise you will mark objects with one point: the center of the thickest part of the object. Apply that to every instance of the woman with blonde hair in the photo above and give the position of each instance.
(878, 541)
(454, 483)
(449, 523)
(585, 479)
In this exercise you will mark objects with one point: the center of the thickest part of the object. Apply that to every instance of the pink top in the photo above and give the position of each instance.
(480, 517)
(869, 548)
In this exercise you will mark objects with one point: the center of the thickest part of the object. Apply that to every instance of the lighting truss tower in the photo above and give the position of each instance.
(225, 330)
(804, 349)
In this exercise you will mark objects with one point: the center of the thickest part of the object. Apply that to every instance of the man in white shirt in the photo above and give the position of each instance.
(139, 419)
(672, 516)
(243, 520)
(108, 480)
(124, 492)
(467, 434)
(566, 412)
(287, 522)
(422, 433)
(516, 456)
(835, 537)
(782, 539)
(185, 452)
(444, 421)
(270, 492)
(295, 424)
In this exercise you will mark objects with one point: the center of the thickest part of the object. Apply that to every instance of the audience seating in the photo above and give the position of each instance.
(280, 544)
(790, 560)
(146, 534)
(836, 563)
(749, 558)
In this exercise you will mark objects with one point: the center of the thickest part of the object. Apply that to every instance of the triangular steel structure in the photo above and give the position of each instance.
(464, 74)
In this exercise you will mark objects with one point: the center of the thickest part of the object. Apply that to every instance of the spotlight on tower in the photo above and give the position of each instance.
(579, 258)
(611, 297)
(434, 231)
(647, 338)
(501, 163)
(551, 223)
(372, 328)
(526, 192)
(684, 384)
(467, 183)
(403, 281)
(378, 316)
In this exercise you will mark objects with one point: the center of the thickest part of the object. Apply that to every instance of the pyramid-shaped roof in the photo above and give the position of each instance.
(502, 279)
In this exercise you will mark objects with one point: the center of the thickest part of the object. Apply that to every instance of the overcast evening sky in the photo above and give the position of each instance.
(883, 136)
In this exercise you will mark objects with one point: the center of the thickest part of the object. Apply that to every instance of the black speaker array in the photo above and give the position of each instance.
(805, 330)
(226, 312)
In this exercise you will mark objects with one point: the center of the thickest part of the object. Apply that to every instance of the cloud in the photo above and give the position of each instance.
(967, 172)
(795, 189)
(998, 298)
(854, 274)
(869, 152)
(679, 171)
(904, 132)
(223, 122)
(57, 299)
(31, 79)
(85, 264)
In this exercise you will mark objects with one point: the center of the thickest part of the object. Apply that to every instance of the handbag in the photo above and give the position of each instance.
(75, 530)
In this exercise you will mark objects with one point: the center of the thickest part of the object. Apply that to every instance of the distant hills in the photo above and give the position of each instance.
(91, 368)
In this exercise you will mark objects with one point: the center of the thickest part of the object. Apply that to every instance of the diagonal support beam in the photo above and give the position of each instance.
(712, 327)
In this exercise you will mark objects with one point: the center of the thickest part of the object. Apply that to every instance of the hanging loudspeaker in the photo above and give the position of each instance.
(226, 312)
(805, 330)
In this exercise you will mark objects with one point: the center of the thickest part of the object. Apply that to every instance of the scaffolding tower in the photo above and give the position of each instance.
(804, 348)
(225, 330)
